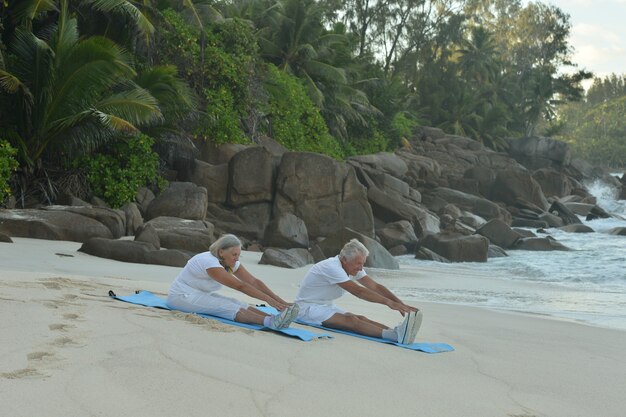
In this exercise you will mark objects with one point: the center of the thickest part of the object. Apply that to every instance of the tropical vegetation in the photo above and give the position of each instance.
(84, 79)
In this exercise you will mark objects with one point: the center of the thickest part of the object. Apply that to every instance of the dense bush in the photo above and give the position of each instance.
(295, 122)
(117, 173)
(8, 165)
(217, 62)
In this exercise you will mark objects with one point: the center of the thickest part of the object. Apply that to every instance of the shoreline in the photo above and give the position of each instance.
(83, 353)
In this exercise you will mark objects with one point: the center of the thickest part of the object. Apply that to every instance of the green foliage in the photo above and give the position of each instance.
(295, 122)
(8, 165)
(597, 133)
(372, 140)
(217, 62)
(126, 165)
(63, 94)
(606, 88)
(221, 122)
(402, 126)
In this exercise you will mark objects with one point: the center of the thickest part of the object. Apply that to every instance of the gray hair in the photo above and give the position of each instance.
(352, 249)
(223, 243)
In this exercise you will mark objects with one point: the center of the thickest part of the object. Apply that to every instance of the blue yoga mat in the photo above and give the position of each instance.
(422, 347)
(146, 298)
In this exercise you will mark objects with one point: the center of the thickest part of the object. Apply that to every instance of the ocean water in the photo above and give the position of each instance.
(586, 284)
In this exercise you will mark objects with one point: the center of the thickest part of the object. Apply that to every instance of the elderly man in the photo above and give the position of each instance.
(330, 279)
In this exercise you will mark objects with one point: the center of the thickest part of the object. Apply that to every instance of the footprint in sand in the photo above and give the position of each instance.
(71, 316)
(21, 373)
(63, 341)
(38, 356)
(60, 327)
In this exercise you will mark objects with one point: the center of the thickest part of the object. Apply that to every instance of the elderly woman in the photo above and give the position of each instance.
(328, 280)
(195, 290)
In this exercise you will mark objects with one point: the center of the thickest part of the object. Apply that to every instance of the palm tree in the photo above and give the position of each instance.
(298, 44)
(68, 94)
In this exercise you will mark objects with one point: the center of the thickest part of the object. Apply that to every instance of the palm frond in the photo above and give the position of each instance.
(124, 8)
(326, 72)
(174, 96)
(26, 10)
(138, 107)
(91, 67)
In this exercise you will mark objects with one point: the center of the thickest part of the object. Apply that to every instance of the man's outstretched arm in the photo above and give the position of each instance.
(380, 289)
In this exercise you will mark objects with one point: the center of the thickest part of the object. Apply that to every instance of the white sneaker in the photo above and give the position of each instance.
(414, 327)
(402, 329)
(407, 330)
(283, 319)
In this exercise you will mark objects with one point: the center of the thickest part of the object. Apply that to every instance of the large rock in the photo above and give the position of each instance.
(286, 258)
(484, 178)
(426, 254)
(564, 212)
(120, 250)
(511, 186)
(212, 177)
(576, 228)
(553, 183)
(472, 203)
(115, 220)
(5, 239)
(378, 257)
(215, 154)
(249, 221)
(133, 218)
(181, 199)
(147, 233)
(251, 177)
(167, 257)
(396, 234)
(324, 193)
(134, 252)
(458, 248)
(52, 225)
(391, 208)
(143, 199)
(421, 169)
(617, 231)
(499, 233)
(189, 235)
(540, 244)
(383, 161)
(286, 231)
(539, 152)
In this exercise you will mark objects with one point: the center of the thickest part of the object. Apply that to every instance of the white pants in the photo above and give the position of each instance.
(206, 303)
(317, 313)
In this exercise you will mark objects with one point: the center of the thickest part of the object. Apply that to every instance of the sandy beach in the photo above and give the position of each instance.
(70, 350)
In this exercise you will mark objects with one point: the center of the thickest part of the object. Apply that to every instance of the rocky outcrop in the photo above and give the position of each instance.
(499, 233)
(214, 178)
(286, 258)
(251, 177)
(438, 198)
(458, 248)
(132, 251)
(181, 199)
(513, 186)
(540, 244)
(286, 231)
(51, 224)
(324, 193)
(188, 235)
(449, 189)
(398, 233)
(539, 152)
